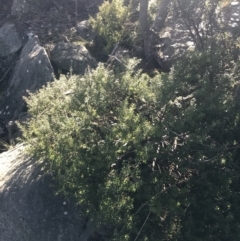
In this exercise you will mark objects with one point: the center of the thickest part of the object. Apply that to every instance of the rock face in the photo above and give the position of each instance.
(10, 40)
(19, 7)
(67, 56)
(84, 30)
(29, 209)
(32, 71)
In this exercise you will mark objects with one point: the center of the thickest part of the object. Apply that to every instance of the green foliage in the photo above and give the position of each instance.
(150, 158)
(153, 10)
(109, 24)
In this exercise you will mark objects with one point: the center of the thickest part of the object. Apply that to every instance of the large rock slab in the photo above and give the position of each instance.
(32, 71)
(29, 209)
(10, 40)
(67, 56)
(84, 29)
(19, 7)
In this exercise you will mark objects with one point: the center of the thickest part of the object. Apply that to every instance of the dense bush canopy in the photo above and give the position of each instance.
(150, 158)
(109, 25)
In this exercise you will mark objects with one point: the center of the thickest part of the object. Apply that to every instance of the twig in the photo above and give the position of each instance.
(56, 6)
(146, 203)
(5, 74)
(76, 1)
(113, 53)
(4, 19)
(142, 226)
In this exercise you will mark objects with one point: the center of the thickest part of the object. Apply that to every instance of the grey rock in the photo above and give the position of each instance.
(19, 7)
(10, 40)
(68, 56)
(83, 28)
(29, 208)
(32, 71)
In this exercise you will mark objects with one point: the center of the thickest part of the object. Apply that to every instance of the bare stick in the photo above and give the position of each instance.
(113, 52)
(7, 71)
(76, 1)
(142, 226)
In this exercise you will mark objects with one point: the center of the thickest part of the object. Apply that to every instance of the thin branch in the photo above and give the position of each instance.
(146, 203)
(186, 18)
(142, 226)
(76, 13)
(7, 71)
(113, 53)
(198, 142)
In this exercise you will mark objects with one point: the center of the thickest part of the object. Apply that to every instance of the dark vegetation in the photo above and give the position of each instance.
(149, 157)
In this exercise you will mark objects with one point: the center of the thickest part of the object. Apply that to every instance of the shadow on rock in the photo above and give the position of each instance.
(29, 210)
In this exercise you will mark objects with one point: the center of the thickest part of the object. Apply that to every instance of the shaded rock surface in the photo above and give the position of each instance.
(33, 70)
(67, 56)
(29, 209)
(19, 7)
(10, 40)
(84, 30)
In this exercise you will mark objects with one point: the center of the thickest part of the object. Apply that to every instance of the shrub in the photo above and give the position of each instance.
(109, 24)
(151, 158)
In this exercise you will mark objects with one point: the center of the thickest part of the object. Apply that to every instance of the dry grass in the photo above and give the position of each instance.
(224, 3)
